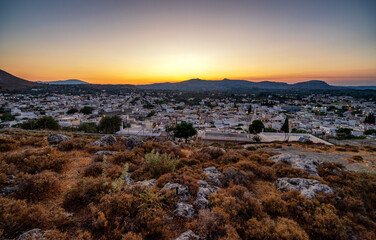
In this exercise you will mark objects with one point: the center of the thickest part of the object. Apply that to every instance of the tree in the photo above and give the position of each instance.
(72, 111)
(7, 116)
(344, 131)
(370, 118)
(87, 110)
(110, 124)
(256, 127)
(88, 128)
(42, 123)
(249, 109)
(285, 127)
(184, 130)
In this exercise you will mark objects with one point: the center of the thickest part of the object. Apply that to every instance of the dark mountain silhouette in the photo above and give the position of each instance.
(10, 82)
(226, 84)
(66, 82)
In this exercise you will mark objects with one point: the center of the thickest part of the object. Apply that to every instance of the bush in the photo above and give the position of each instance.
(7, 144)
(158, 164)
(88, 128)
(83, 192)
(32, 161)
(42, 123)
(66, 146)
(110, 124)
(38, 187)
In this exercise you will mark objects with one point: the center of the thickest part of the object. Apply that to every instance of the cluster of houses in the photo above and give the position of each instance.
(219, 117)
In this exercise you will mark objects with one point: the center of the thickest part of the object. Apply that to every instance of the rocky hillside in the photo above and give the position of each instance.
(10, 82)
(86, 187)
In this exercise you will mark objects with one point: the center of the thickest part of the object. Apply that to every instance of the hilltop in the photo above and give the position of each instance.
(83, 187)
(10, 82)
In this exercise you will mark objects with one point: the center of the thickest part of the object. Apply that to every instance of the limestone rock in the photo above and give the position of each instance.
(213, 175)
(57, 138)
(34, 234)
(104, 141)
(308, 164)
(184, 210)
(307, 187)
(181, 190)
(147, 183)
(188, 235)
(203, 193)
(9, 190)
(133, 142)
(108, 153)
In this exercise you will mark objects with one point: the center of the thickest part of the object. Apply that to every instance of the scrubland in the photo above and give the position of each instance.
(71, 193)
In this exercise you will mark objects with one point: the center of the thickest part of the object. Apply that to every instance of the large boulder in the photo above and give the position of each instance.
(308, 164)
(203, 193)
(188, 235)
(307, 187)
(9, 190)
(146, 183)
(182, 191)
(133, 142)
(213, 175)
(184, 210)
(104, 141)
(34, 234)
(57, 138)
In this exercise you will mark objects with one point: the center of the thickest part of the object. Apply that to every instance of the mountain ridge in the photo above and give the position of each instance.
(65, 82)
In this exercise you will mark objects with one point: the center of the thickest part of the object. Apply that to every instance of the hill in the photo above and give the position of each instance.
(226, 84)
(162, 190)
(66, 82)
(11, 82)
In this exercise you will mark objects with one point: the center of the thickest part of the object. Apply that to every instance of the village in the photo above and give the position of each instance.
(217, 118)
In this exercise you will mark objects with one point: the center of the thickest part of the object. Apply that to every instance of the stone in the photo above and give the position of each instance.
(203, 193)
(133, 142)
(108, 153)
(181, 190)
(184, 210)
(34, 234)
(57, 138)
(9, 190)
(307, 187)
(188, 235)
(147, 183)
(128, 180)
(213, 175)
(104, 141)
(308, 164)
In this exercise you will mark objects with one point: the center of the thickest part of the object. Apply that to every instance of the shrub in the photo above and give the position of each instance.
(83, 192)
(66, 146)
(158, 164)
(237, 177)
(38, 187)
(18, 216)
(93, 170)
(7, 144)
(274, 206)
(32, 161)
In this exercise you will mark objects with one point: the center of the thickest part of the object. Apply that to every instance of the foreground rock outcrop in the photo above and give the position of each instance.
(133, 142)
(188, 235)
(203, 193)
(105, 141)
(34, 234)
(57, 138)
(308, 164)
(213, 175)
(184, 210)
(307, 187)
(182, 191)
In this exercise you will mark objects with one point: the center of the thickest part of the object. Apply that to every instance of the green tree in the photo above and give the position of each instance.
(72, 111)
(344, 131)
(110, 124)
(87, 110)
(88, 128)
(285, 127)
(7, 116)
(256, 127)
(184, 130)
(42, 123)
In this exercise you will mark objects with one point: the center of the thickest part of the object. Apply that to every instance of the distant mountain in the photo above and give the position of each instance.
(66, 82)
(10, 82)
(226, 84)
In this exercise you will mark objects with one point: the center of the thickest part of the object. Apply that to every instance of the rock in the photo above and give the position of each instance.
(34, 234)
(133, 142)
(307, 187)
(188, 235)
(184, 210)
(104, 141)
(128, 180)
(57, 138)
(308, 164)
(108, 153)
(213, 175)
(203, 193)
(181, 190)
(9, 190)
(147, 183)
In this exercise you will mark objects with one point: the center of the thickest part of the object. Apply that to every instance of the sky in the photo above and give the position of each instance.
(148, 41)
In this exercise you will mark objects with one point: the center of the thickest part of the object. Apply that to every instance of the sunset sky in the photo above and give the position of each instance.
(146, 41)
